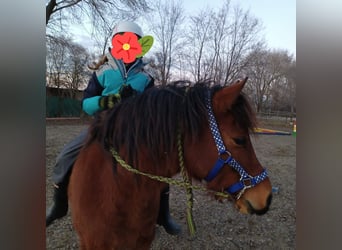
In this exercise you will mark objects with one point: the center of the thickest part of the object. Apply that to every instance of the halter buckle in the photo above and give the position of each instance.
(225, 155)
(247, 182)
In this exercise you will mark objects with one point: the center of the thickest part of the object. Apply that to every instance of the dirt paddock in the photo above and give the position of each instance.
(219, 225)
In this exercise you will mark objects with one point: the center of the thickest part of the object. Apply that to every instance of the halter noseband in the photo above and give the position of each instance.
(246, 181)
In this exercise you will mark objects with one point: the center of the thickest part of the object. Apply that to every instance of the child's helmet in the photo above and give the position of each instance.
(127, 26)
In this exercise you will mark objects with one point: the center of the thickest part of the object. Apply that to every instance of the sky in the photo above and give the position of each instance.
(278, 17)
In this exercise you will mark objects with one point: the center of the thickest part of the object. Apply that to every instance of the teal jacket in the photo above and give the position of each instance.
(110, 77)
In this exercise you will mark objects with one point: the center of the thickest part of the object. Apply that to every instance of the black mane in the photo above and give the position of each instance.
(152, 119)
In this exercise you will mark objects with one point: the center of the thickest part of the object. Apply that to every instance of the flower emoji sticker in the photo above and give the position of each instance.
(126, 47)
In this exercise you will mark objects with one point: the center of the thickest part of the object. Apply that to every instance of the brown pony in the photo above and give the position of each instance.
(113, 208)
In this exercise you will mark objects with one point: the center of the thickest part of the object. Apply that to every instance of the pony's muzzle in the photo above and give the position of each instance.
(246, 207)
(263, 210)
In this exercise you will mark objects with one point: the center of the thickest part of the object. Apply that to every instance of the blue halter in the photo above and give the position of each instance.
(246, 181)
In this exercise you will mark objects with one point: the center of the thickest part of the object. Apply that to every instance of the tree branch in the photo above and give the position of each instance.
(68, 5)
(51, 8)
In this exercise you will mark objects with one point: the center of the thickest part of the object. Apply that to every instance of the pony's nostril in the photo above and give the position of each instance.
(261, 211)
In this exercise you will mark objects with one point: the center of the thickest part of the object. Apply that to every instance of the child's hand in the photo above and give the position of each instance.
(127, 91)
(108, 102)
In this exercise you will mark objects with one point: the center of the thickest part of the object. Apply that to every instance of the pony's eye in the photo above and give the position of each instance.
(241, 141)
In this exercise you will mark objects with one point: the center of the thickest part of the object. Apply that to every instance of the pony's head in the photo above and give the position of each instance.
(229, 162)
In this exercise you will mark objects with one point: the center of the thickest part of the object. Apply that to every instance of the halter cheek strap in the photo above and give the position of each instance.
(246, 181)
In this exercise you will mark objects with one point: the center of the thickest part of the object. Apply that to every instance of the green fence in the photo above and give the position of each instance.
(62, 107)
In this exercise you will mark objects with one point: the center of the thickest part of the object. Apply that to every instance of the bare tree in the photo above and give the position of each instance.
(284, 90)
(198, 37)
(103, 34)
(102, 15)
(66, 64)
(56, 60)
(219, 32)
(241, 38)
(268, 72)
(98, 9)
(77, 74)
(291, 81)
(166, 26)
(153, 66)
(219, 40)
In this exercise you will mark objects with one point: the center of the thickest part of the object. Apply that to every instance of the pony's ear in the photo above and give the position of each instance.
(226, 97)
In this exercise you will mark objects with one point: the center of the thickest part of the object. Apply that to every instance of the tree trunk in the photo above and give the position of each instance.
(49, 9)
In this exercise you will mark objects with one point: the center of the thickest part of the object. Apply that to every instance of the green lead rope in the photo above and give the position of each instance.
(189, 194)
(186, 183)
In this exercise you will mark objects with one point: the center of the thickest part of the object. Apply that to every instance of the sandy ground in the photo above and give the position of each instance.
(219, 226)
